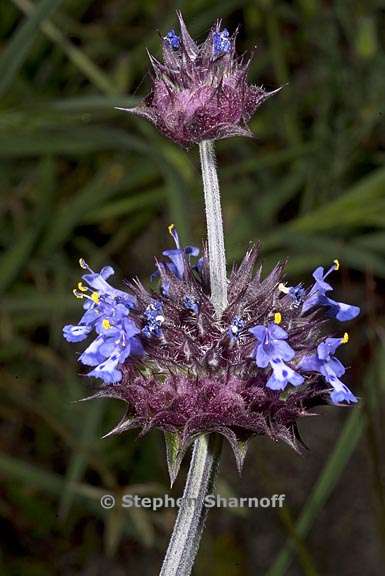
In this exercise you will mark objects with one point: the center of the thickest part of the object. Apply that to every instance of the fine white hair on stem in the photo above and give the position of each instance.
(215, 237)
(189, 525)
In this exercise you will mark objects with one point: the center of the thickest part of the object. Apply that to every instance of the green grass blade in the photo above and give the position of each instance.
(77, 141)
(135, 203)
(327, 481)
(77, 56)
(91, 103)
(88, 204)
(347, 209)
(18, 47)
(78, 462)
(16, 257)
(15, 469)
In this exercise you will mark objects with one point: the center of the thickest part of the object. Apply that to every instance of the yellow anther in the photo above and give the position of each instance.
(106, 324)
(345, 338)
(171, 228)
(82, 263)
(336, 264)
(277, 318)
(82, 288)
(95, 297)
(77, 294)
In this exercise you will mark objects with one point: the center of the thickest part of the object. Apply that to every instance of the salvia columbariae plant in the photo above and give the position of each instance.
(200, 355)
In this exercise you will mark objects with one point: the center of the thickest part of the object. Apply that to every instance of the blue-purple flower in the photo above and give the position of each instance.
(154, 319)
(111, 348)
(106, 314)
(325, 363)
(221, 42)
(273, 350)
(236, 327)
(178, 255)
(296, 293)
(173, 39)
(318, 297)
(191, 304)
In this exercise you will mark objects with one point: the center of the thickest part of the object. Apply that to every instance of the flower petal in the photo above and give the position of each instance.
(259, 332)
(283, 350)
(342, 312)
(91, 356)
(276, 331)
(310, 363)
(341, 393)
(328, 347)
(107, 370)
(76, 333)
(262, 357)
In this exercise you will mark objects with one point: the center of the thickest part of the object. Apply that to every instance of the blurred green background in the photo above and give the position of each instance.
(79, 178)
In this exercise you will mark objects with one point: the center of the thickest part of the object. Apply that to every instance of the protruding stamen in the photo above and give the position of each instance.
(174, 234)
(336, 264)
(82, 264)
(277, 318)
(77, 294)
(82, 288)
(95, 297)
(345, 338)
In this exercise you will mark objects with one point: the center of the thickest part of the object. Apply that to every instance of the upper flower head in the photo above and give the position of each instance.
(200, 92)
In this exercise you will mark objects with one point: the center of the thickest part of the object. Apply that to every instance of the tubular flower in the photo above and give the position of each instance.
(324, 362)
(318, 297)
(200, 92)
(267, 361)
(273, 350)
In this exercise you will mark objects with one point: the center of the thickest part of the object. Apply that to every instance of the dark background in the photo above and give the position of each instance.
(81, 179)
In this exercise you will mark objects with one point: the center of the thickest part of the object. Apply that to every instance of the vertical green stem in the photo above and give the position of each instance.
(189, 525)
(215, 238)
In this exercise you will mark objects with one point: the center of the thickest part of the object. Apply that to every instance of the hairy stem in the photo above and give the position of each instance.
(215, 238)
(189, 525)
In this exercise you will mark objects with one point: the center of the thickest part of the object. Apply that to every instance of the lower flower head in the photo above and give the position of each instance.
(267, 361)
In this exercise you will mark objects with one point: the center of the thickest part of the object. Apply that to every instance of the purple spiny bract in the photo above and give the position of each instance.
(200, 92)
(267, 361)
